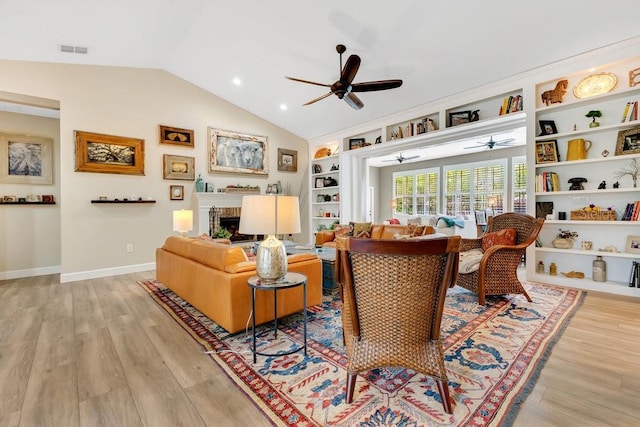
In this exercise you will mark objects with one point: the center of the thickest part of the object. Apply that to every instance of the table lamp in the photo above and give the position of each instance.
(182, 221)
(492, 202)
(270, 215)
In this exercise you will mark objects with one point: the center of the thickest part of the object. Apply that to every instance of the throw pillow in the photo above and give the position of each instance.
(341, 230)
(502, 237)
(360, 229)
(414, 230)
(469, 261)
(399, 236)
(414, 221)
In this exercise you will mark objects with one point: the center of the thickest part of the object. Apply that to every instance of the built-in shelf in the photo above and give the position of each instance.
(590, 253)
(27, 203)
(123, 201)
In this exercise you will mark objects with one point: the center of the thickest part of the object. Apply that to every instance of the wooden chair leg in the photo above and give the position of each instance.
(351, 385)
(443, 389)
(526, 295)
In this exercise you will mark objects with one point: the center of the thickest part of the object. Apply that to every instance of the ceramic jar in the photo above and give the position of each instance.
(562, 243)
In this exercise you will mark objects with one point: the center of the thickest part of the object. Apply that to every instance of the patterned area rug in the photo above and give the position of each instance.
(493, 356)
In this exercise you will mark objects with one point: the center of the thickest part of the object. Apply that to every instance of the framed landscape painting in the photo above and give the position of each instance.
(97, 152)
(26, 159)
(233, 152)
(178, 167)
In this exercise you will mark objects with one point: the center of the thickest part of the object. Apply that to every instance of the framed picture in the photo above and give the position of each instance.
(547, 151)
(287, 160)
(459, 117)
(178, 167)
(628, 141)
(26, 159)
(176, 136)
(319, 183)
(356, 143)
(96, 152)
(633, 244)
(176, 192)
(232, 152)
(547, 127)
(317, 168)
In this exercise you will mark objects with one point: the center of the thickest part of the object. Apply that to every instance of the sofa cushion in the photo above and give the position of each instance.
(216, 255)
(341, 230)
(178, 245)
(470, 261)
(506, 236)
(415, 230)
(360, 229)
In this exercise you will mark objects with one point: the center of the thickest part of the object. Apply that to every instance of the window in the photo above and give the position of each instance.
(519, 190)
(416, 192)
(474, 187)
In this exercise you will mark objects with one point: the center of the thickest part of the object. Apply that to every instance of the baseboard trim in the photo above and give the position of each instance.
(29, 272)
(106, 272)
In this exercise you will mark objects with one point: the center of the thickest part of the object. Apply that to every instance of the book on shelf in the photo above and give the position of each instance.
(631, 212)
(630, 112)
(547, 181)
(510, 104)
(634, 277)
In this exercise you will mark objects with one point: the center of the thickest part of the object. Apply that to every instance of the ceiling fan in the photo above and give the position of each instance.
(343, 88)
(491, 143)
(400, 158)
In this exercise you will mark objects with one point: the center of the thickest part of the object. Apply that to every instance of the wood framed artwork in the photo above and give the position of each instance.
(97, 152)
(355, 143)
(633, 245)
(628, 141)
(459, 117)
(547, 127)
(26, 159)
(176, 136)
(176, 192)
(287, 160)
(547, 151)
(178, 167)
(233, 152)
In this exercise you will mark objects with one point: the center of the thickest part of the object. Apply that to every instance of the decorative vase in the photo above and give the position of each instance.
(199, 184)
(562, 243)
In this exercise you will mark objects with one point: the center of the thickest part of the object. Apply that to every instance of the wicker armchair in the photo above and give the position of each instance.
(393, 293)
(497, 274)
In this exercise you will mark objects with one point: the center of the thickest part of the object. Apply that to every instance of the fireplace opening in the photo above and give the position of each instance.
(229, 219)
(232, 224)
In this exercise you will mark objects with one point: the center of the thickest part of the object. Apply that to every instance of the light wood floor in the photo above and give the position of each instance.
(102, 352)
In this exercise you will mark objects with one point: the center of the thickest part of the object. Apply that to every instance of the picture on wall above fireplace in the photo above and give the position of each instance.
(233, 152)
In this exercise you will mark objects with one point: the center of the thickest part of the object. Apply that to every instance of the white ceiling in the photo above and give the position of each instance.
(438, 48)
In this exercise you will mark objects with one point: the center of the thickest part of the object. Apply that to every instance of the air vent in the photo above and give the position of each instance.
(73, 49)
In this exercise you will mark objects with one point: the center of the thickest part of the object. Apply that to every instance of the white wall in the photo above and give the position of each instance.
(30, 238)
(133, 102)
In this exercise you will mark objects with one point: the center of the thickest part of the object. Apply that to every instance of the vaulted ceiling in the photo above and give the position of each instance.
(438, 48)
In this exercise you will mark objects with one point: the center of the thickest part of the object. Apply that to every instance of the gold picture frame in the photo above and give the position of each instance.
(175, 136)
(547, 151)
(101, 153)
(178, 167)
(287, 160)
(628, 141)
(26, 159)
(233, 152)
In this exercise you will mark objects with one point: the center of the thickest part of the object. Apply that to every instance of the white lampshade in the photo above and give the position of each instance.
(270, 215)
(182, 221)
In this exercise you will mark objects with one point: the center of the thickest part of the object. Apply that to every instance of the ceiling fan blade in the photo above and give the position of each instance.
(377, 85)
(318, 99)
(306, 81)
(410, 157)
(353, 101)
(504, 141)
(350, 69)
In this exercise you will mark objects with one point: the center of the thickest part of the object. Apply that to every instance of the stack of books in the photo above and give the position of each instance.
(511, 104)
(630, 112)
(634, 278)
(631, 212)
(547, 181)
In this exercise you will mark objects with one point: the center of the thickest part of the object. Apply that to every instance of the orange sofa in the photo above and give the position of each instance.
(326, 238)
(212, 276)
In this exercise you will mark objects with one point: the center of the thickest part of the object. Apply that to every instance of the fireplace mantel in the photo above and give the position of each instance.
(205, 201)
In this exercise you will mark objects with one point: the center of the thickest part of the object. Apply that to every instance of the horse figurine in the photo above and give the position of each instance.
(555, 95)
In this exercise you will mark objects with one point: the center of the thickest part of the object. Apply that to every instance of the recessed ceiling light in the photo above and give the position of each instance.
(283, 106)
(237, 81)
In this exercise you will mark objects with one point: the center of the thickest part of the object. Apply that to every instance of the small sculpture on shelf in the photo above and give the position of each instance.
(555, 95)
(616, 184)
(576, 184)
(632, 171)
(475, 116)
(603, 185)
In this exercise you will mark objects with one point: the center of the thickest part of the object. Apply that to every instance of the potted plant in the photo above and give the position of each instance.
(221, 233)
(594, 114)
(564, 239)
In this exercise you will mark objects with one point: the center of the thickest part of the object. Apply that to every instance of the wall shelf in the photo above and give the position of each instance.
(27, 203)
(123, 201)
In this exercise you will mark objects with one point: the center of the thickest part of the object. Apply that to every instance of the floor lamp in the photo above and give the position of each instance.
(270, 214)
